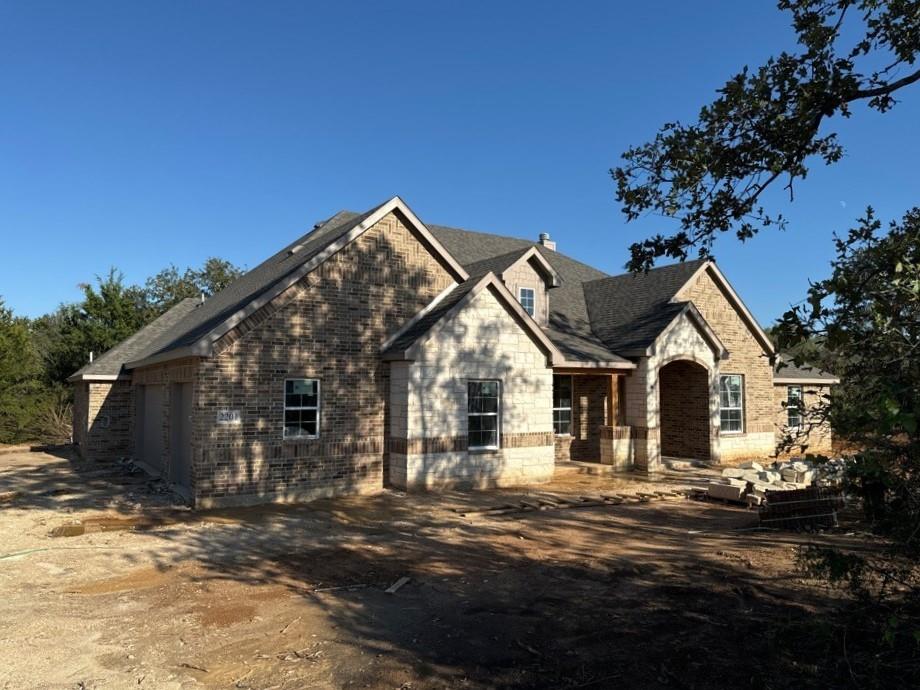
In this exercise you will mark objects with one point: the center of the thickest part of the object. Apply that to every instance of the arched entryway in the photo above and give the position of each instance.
(684, 410)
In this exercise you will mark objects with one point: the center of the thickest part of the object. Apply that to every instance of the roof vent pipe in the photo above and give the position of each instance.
(90, 356)
(546, 241)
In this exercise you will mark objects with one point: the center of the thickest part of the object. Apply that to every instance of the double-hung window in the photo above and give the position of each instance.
(527, 298)
(301, 408)
(794, 406)
(562, 405)
(731, 399)
(483, 412)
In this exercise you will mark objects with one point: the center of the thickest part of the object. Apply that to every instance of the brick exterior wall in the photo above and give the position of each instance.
(820, 437)
(329, 326)
(80, 415)
(685, 430)
(746, 356)
(104, 419)
(589, 414)
(428, 401)
(525, 275)
(562, 448)
(680, 341)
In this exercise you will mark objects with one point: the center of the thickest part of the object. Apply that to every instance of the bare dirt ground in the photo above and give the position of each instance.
(675, 594)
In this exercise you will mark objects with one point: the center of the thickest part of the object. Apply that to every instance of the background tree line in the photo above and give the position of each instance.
(37, 355)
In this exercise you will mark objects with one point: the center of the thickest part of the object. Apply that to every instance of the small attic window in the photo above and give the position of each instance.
(526, 296)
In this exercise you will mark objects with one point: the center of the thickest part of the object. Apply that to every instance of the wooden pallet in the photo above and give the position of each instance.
(813, 507)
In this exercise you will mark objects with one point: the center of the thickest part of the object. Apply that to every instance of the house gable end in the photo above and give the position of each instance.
(408, 343)
(388, 273)
(201, 339)
(690, 317)
(709, 281)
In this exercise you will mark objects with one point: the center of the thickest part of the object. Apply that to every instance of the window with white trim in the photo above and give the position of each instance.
(527, 298)
(794, 406)
(301, 408)
(562, 405)
(731, 401)
(483, 412)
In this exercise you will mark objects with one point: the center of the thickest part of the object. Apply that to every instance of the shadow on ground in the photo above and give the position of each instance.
(655, 595)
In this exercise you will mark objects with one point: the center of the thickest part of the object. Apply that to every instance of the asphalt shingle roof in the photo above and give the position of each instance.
(569, 327)
(627, 312)
(787, 370)
(593, 317)
(260, 280)
(497, 264)
(141, 344)
(423, 325)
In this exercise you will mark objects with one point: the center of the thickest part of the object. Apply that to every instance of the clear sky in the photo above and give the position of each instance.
(138, 135)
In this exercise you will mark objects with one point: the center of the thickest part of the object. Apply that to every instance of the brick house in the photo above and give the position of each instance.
(377, 349)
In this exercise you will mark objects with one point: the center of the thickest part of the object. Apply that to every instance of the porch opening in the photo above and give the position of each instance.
(684, 410)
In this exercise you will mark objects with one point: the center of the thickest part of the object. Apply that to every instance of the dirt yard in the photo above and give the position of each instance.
(671, 594)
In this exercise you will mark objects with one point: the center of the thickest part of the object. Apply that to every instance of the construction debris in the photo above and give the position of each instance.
(756, 479)
(814, 507)
(547, 501)
(392, 589)
(764, 486)
(729, 490)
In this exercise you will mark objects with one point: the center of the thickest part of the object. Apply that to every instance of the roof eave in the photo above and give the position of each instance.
(581, 364)
(718, 347)
(759, 334)
(75, 378)
(395, 204)
(554, 280)
(415, 319)
(196, 350)
(806, 382)
(489, 280)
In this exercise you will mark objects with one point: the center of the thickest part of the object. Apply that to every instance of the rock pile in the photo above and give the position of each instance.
(750, 481)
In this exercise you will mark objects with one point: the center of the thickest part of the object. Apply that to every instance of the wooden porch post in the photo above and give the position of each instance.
(613, 407)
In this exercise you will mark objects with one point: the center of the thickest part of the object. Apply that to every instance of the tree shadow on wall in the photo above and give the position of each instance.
(331, 326)
(468, 348)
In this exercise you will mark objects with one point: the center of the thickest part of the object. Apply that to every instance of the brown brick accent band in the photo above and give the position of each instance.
(644, 432)
(533, 439)
(616, 432)
(295, 449)
(424, 446)
(452, 444)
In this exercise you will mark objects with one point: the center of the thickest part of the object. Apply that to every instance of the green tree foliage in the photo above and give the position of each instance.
(768, 124)
(169, 286)
(37, 357)
(20, 369)
(109, 313)
(867, 315)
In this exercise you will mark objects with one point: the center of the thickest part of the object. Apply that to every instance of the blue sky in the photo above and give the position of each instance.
(139, 135)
